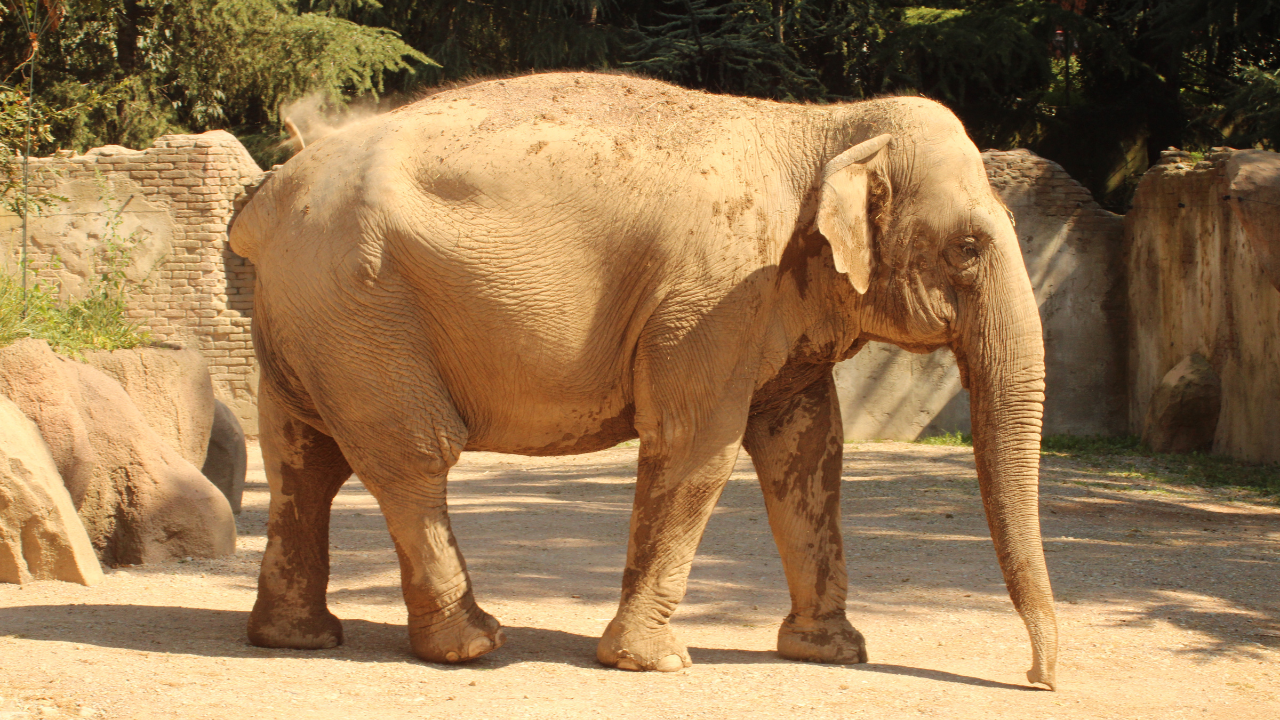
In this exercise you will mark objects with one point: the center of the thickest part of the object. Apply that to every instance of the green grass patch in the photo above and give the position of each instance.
(955, 439)
(1127, 457)
(97, 322)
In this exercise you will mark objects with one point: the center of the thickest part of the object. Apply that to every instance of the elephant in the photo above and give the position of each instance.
(556, 263)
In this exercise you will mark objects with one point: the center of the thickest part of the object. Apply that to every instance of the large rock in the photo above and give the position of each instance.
(171, 388)
(1254, 182)
(41, 537)
(1183, 414)
(139, 500)
(1196, 261)
(227, 459)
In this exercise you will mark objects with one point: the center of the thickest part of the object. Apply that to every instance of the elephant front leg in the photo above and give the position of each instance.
(305, 470)
(678, 485)
(797, 445)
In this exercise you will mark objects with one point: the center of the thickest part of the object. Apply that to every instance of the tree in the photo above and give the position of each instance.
(191, 66)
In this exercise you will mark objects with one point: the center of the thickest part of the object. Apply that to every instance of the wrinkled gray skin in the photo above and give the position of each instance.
(554, 264)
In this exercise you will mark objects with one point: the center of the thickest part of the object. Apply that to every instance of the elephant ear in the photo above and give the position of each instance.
(843, 217)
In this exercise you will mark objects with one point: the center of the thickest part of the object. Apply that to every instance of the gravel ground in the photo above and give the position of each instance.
(1168, 608)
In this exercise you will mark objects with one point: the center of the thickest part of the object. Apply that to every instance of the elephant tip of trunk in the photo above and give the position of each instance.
(1036, 675)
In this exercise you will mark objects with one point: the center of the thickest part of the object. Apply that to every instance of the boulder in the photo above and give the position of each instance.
(226, 461)
(41, 537)
(171, 388)
(1254, 183)
(1183, 414)
(140, 501)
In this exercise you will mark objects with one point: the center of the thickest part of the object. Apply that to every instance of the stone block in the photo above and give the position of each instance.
(41, 536)
(138, 499)
(172, 390)
(1183, 414)
(226, 460)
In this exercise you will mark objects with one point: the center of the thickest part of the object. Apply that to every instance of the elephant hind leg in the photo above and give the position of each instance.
(401, 446)
(445, 623)
(305, 470)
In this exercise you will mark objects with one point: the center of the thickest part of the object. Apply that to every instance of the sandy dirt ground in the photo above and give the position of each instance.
(1169, 607)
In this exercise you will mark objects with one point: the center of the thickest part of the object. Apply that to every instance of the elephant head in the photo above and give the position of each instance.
(917, 230)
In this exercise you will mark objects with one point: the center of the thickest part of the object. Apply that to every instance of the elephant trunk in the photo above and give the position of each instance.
(1002, 358)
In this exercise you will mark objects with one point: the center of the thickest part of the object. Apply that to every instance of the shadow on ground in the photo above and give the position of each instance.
(168, 630)
(915, 535)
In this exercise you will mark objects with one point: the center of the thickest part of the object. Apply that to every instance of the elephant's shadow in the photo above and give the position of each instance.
(220, 633)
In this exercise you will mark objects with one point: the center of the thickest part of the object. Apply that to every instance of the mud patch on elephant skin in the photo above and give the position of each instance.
(805, 243)
(735, 207)
(290, 610)
(610, 432)
(781, 394)
(449, 188)
(813, 442)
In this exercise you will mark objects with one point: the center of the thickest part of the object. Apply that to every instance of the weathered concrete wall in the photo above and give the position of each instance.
(1198, 284)
(1072, 248)
(171, 203)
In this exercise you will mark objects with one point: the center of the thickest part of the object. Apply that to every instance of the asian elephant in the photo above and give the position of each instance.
(556, 263)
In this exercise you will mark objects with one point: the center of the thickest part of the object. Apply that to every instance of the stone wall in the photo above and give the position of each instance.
(1072, 248)
(1200, 237)
(171, 204)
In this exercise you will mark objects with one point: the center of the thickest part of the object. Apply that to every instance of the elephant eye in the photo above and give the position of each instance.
(962, 252)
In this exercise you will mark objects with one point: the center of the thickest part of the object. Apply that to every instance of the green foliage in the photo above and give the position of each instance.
(494, 37)
(1252, 112)
(133, 69)
(951, 439)
(732, 47)
(1101, 87)
(97, 322)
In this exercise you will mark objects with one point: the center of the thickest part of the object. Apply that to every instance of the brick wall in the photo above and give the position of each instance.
(172, 201)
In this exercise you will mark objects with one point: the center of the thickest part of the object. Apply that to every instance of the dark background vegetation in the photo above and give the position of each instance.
(1101, 86)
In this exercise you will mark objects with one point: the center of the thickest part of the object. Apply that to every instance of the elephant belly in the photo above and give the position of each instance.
(564, 430)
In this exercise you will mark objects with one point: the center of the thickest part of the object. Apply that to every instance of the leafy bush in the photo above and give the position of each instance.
(98, 322)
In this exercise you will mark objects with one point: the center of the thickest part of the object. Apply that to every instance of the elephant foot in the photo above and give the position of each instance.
(828, 639)
(641, 648)
(295, 628)
(459, 638)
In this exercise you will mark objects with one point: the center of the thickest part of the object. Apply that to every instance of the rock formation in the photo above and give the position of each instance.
(139, 500)
(1253, 177)
(41, 537)
(1201, 244)
(226, 459)
(170, 386)
(1183, 414)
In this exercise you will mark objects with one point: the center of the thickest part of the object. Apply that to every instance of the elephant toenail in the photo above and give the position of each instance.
(670, 663)
(451, 656)
(627, 664)
(479, 646)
